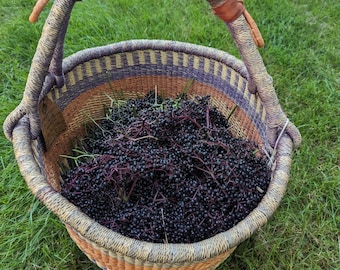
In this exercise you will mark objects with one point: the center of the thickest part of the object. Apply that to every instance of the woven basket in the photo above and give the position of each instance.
(60, 96)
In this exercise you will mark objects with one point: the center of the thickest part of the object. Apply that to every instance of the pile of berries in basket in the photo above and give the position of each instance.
(165, 170)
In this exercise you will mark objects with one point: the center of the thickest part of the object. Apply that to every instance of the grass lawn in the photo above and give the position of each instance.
(302, 53)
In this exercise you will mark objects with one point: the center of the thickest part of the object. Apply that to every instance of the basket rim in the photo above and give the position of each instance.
(87, 54)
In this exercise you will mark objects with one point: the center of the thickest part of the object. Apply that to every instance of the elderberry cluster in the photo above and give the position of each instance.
(166, 170)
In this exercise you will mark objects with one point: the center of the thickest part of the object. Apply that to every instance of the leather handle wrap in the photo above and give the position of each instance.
(230, 10)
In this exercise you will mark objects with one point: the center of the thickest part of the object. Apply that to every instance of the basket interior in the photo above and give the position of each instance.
(90, 86)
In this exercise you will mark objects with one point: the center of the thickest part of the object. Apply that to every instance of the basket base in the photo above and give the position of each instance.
(109, 260)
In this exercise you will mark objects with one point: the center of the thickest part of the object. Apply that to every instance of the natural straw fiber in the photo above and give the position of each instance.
(59, 99)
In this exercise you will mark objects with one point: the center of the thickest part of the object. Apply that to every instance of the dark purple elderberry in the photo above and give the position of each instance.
(166, 170)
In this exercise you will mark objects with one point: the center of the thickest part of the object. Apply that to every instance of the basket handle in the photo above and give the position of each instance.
(47, 62)
(247, 37)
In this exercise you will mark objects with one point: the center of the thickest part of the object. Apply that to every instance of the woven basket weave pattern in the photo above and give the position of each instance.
(87, 88)
(59, 107)
(107, 259)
